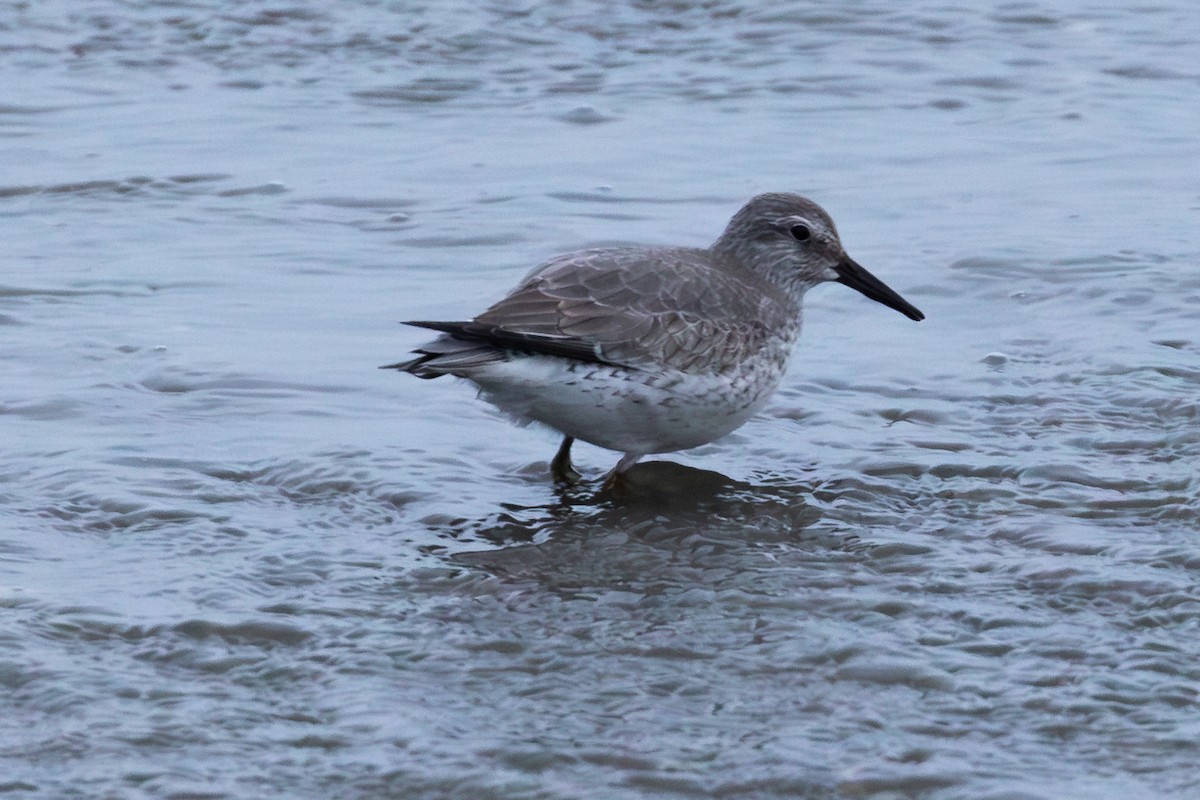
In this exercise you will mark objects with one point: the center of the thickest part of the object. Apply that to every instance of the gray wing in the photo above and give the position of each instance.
(641, 308)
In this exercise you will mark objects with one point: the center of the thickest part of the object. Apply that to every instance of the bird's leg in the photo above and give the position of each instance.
(560, 467)
(616, 479)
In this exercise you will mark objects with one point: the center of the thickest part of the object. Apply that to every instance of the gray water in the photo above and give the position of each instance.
(954, 559)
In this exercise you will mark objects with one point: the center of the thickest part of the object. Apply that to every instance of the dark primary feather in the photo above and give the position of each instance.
(563, 346)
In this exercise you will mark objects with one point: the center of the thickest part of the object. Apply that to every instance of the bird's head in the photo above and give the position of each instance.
(790, 241)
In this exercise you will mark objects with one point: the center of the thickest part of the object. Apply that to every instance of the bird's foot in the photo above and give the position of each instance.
(615, 483)
(560, 468)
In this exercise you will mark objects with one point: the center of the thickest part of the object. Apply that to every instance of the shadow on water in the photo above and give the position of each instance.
(670, 525)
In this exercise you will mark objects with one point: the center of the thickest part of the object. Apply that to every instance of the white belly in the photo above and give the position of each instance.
(625, 410)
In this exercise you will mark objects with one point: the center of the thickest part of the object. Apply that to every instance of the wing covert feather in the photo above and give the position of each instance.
(644, 308)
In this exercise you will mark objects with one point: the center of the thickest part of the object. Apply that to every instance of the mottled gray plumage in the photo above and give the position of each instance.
(648, 308)
(651, 349)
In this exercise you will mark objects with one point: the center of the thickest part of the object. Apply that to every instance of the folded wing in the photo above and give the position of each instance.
(632, 308)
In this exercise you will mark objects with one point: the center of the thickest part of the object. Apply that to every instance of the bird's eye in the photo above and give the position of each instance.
(800, 233)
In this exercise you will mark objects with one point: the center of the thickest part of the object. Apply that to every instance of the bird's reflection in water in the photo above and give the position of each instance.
(669, 524)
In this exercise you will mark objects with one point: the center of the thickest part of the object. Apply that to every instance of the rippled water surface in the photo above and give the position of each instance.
(956, 559)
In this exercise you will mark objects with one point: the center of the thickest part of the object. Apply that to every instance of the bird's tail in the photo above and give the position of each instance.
(449, 355)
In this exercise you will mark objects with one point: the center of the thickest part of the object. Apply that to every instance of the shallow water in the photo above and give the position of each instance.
(953, 559)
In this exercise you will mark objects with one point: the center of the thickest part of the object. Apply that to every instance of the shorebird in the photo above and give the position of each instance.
(647, 350)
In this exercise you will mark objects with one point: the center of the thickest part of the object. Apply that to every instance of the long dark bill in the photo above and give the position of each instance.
(854, 275)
